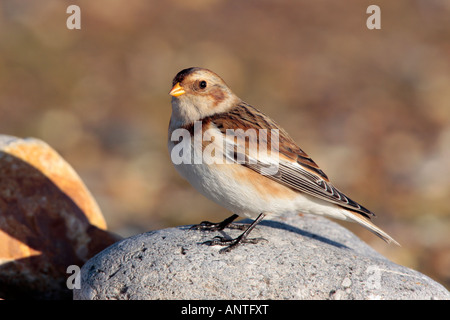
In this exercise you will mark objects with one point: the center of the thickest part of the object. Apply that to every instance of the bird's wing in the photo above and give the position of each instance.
(295, 169)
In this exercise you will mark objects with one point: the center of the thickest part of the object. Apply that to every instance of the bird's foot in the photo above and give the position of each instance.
(211, 226)
(227, 223)
(231, 243)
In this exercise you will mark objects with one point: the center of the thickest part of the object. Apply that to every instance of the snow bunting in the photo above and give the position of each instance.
(211, 147)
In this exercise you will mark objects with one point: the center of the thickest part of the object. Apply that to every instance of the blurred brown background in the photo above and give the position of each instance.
(372, 107)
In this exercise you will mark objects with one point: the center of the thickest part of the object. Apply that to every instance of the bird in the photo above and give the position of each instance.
(210, 147)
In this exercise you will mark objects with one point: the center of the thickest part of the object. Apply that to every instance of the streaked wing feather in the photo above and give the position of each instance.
(296, 169)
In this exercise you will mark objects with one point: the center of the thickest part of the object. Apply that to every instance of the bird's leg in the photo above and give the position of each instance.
(233, 243)
(227, 223)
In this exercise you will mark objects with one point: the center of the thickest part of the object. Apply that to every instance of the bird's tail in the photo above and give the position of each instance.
(366, 223)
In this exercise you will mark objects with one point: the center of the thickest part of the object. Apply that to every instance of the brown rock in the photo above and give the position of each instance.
(48, 221)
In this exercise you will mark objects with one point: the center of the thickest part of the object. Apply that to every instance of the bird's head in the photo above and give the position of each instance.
(198, 93)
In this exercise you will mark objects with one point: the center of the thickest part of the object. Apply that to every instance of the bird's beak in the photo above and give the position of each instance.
(177, 90)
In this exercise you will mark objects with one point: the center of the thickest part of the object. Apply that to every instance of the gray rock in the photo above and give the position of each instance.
(304, 258)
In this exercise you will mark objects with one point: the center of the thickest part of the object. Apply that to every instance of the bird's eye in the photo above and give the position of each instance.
(203, 84)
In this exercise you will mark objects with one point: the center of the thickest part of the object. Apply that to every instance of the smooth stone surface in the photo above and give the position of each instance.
(48, 221)
(303, 258)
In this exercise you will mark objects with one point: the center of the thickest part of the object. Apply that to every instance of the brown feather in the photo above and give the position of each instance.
(316, 183)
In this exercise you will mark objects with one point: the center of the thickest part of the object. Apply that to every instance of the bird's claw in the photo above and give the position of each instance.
(206, 226)
(230, 243)
(211, 226)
